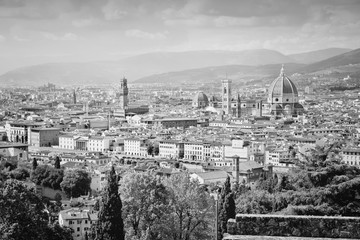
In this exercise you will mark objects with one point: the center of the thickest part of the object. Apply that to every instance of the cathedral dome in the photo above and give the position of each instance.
(200, 100)
(283, 90)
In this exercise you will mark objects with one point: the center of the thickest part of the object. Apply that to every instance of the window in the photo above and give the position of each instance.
(276, 99)
(78, 229)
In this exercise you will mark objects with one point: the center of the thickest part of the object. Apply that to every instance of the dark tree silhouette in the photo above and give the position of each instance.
(76, 182)
(226, 190)
(110, 225)
(23, 216)
(227, 211)
(57, 162)
(34, 164)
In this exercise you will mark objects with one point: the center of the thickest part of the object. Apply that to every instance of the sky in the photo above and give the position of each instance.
(40, 31)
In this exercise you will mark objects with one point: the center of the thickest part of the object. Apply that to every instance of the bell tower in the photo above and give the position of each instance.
(123, 95)
(226, 96)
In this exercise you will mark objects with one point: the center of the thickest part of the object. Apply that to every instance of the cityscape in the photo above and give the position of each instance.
(173, 137)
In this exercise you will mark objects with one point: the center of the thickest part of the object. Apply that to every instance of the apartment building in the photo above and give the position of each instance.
(351, 156)
(171, 149)
(79, 220)
(135, 146)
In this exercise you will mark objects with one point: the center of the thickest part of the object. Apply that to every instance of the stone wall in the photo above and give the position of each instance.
(297, 226)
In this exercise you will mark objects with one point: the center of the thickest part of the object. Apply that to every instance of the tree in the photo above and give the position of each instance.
(145, 204)
(57, 162)
(47, 176)
(58, 199)
(191, 210)
(228, 210)
(76, 183)
(20, 174)
(22, 215)
(110, 224)
(34, 164)
(156, 150)
(321, 185)
(225, 191)
(150, 149)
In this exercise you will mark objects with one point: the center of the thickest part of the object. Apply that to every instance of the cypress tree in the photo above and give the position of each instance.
(227, 211)
(57, 162)
(34, 164)
(226, 189)
(110, 224)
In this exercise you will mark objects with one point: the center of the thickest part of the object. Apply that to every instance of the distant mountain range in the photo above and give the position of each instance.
(316, 56)
(339, 63)
(345, 59)
(173, 66)
(210, 74)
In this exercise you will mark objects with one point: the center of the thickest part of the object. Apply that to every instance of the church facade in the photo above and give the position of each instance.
(282, 100)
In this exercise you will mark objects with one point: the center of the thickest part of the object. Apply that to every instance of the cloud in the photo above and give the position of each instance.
(112, 11)
(145, 35)
(83, 22)
(226, 21)
(21, 39)
(11, 3)
(2, 38)
(65, 37)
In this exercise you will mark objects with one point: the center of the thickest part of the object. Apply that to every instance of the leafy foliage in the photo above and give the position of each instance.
(48, 176)
(145, 204)
(191, 209)
(322, 185)
(110, 225)
(22, 215)
(76, 183)
(19, 174)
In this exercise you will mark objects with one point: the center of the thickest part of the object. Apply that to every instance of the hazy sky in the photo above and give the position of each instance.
(38, 31)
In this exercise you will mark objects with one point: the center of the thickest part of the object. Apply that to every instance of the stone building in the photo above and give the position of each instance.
(124, 108)
(44, 137)
(200, 100)
(283, 97)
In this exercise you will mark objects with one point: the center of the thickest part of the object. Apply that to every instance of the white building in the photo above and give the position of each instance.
(135, 146)
(278, 157)
(239, 148)
(98, 180)
(351, 157)
(84, 143)
(99, 144)
(66, 142)
(171, 149)
(204, 151)
(194, 151)
(80, 221)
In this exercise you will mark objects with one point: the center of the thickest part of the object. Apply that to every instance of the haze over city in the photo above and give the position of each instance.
(41, 31)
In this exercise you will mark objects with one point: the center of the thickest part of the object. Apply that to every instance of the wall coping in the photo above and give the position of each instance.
(294, 216)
